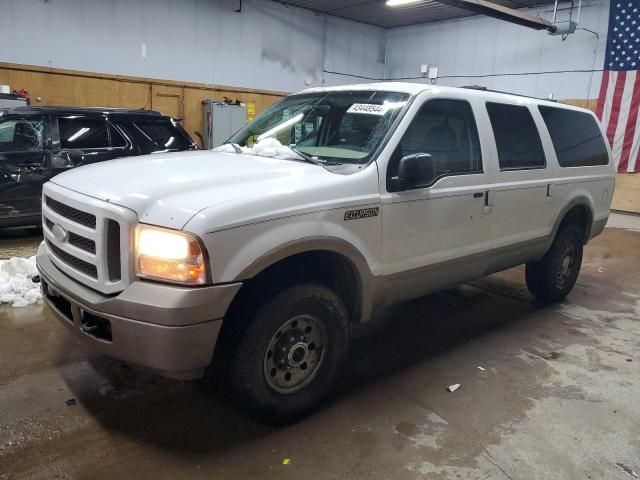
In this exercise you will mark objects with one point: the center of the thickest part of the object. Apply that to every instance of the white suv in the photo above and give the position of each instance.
(256, 259)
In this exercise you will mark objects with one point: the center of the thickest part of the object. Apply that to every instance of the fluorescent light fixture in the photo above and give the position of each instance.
(281, 126)
(398, 3)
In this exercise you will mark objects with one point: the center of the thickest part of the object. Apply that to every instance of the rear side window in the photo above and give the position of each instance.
(83, 133)
(163, 133)
(517, 138)
(576, 137)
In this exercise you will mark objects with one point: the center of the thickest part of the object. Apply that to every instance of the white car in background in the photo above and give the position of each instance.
(256, 259)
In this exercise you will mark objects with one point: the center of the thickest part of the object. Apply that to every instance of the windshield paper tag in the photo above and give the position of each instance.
(368, 108)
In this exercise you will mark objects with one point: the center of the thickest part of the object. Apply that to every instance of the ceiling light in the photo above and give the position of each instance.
(398, 3)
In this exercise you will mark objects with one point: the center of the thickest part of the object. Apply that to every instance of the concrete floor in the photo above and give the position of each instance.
(557, 397)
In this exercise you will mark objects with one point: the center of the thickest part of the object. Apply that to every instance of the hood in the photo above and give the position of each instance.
(170, 188)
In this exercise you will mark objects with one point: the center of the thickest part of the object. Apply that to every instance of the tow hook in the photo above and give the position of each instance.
(95, 326)
(90, 327)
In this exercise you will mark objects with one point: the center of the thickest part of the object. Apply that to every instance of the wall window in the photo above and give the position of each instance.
(83, 133)
(446, 130)
(517, 138)
(576, 137)
(21, 134)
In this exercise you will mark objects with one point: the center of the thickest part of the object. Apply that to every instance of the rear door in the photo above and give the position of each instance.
(82, 140)
(519, 199)
(23, 164)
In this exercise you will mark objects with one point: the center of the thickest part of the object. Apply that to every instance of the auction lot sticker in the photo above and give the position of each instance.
(368, 108)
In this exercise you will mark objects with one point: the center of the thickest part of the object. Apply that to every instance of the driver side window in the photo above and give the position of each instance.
(22, 134)
(446, 130)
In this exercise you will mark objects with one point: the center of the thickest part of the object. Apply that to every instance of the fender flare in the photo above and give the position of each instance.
(367, 287)
(580, 201)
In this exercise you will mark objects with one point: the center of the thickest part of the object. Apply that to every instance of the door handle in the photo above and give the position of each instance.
(478, 194)
(488, 201)
(488, 198)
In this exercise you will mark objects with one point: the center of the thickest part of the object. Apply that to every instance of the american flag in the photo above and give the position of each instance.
(620, 89)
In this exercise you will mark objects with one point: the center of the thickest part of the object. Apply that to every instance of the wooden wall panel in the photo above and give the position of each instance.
(627, 193)
(590, 104)
(74, 88)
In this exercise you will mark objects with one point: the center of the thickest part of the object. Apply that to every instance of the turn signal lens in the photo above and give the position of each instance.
(169, 255)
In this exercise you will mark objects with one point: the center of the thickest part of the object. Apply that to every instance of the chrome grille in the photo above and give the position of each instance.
(85, 238)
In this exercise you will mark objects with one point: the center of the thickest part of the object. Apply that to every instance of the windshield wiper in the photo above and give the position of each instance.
(305, 157)
(235, 146)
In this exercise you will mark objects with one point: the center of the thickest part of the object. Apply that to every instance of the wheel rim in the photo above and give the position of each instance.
(566, 263)
(294, 354)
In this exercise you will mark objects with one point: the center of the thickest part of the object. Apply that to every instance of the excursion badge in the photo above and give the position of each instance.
(362, 213)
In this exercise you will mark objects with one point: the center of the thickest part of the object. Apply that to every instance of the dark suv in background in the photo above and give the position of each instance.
(37, 143)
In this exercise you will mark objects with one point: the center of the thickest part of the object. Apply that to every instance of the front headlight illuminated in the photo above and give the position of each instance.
(169, 255)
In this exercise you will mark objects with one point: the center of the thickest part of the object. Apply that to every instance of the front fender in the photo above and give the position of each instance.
(240, 254)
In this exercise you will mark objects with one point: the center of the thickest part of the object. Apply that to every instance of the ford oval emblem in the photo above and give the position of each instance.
(59, 233)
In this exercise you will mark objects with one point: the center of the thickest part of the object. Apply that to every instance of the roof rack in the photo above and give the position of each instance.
(48, 108)
(485, 89)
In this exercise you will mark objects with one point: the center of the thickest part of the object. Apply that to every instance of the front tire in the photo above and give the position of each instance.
(553, 276)
(290, 354)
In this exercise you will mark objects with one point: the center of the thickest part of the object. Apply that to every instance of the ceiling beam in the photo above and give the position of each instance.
(500, 12)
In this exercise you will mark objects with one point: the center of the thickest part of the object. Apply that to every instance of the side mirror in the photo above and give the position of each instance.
(414, 169)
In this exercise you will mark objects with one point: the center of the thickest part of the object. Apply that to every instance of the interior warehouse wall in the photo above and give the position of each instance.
(54, 86)
(473, 47)
(266, 45)
(170, 55)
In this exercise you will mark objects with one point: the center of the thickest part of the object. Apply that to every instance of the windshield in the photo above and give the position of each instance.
(344, 126)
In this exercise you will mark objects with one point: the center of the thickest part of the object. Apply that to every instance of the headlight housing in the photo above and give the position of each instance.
(169, 256)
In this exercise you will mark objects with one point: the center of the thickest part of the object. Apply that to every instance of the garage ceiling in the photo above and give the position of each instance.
(375, 12)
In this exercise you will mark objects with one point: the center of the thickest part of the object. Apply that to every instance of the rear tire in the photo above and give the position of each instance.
(554, 275)
(289, 355)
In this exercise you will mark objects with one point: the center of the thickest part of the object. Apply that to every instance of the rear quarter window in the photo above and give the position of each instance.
(517, 138)
(163, 134)
(576, 137)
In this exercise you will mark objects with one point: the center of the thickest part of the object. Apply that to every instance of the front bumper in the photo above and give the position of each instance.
(169, 328)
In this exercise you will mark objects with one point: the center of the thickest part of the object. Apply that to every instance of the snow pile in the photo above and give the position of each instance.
(267, 147)
(16, 286)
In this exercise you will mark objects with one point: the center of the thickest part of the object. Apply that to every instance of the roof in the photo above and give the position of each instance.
(84, 110)
(414, 88)
(411, 88)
